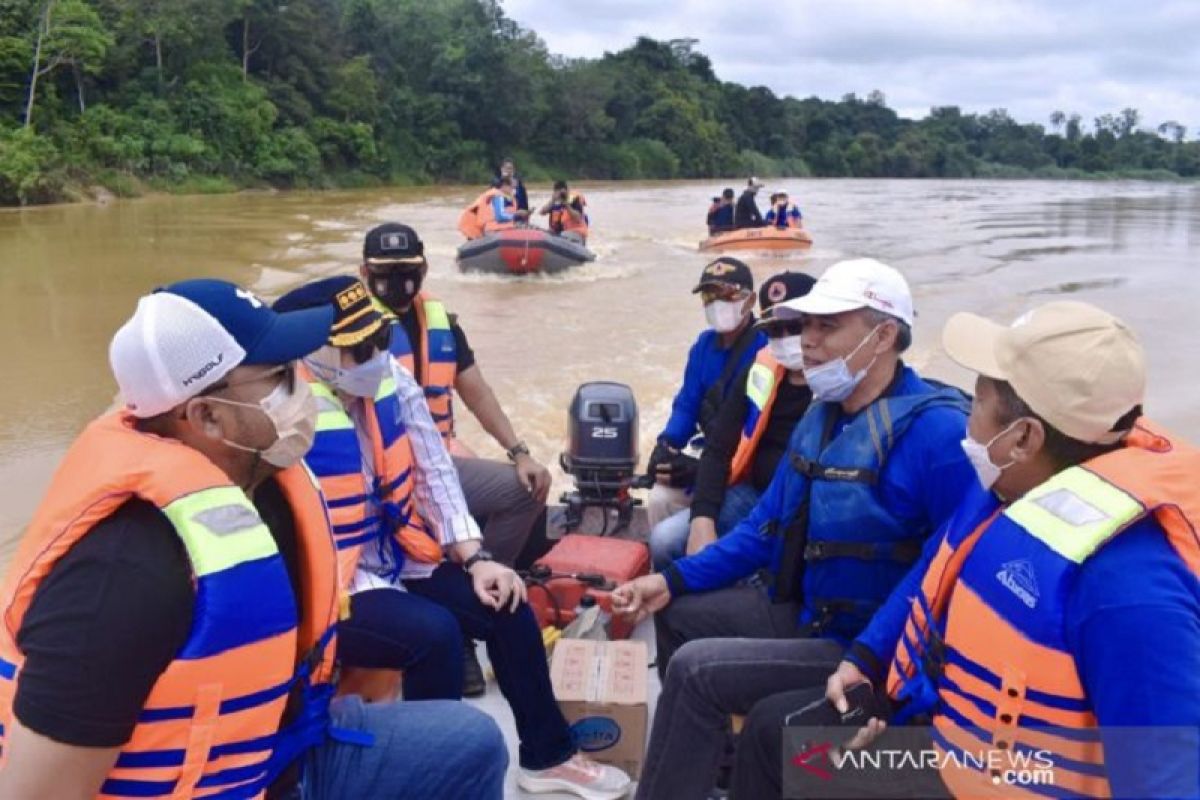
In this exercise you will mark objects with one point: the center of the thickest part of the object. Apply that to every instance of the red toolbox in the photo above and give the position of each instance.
(580, 564)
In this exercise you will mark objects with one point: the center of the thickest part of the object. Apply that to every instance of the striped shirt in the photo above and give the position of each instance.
(438, 494)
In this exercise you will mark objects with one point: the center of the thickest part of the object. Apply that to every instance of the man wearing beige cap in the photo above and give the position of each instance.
(1059, 615)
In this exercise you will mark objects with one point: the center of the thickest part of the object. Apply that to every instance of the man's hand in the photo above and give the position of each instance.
(533, 476)
(703, 532)
(641, 597)
(846, 677)
(496, 585)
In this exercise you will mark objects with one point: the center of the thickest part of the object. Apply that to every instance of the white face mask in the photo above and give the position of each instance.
(987, 471)
(832, 381)
(724, 316)
(294, 417)
(361, 380)
(788, 351)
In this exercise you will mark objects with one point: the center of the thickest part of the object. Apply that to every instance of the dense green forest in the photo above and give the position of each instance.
(208, 95)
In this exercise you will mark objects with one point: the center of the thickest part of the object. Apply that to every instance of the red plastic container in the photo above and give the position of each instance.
(617, 560)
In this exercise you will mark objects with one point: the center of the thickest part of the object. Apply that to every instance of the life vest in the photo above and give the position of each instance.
(762, 385)
(563, 222)
(856, 549)
(788, 220)
(211, 724)
(439, 358)
(383, 513)
(472, 221)
(996, 651)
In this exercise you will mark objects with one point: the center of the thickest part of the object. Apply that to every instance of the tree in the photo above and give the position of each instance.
(70, 34)
(1057, 118)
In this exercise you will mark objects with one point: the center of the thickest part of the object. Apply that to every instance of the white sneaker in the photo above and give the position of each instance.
(578, 775)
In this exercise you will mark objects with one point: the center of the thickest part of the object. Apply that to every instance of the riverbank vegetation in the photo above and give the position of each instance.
(212, 95)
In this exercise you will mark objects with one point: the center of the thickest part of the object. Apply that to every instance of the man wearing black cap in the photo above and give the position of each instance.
(726, 288)
(430, 344)
(747, 215)
(748, 435)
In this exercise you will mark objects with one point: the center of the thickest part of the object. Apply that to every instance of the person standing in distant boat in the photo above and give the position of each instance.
(509, 170)
(747, 215)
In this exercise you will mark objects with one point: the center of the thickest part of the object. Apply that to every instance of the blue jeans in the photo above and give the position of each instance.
(668, 540)
(514, 646)
(390, 629)
(422, 750)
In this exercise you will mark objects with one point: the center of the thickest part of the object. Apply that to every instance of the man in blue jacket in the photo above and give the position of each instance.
(719, 355)
(871, 471)
(1057, 594)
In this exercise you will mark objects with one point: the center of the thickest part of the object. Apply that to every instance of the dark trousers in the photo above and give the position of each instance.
(707, 682)
(514, 645)
(740, 611)
(758, 770)
(390, 629)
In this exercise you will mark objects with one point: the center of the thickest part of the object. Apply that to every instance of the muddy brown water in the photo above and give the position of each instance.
(69, 275)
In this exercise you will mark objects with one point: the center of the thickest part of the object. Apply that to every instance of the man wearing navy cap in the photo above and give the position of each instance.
(180, 561)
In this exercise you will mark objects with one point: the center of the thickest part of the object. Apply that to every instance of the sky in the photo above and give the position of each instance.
(1084, 56)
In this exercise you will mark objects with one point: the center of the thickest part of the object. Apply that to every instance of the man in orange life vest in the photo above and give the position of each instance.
(567, 216)
(181, 561)
(494, 210)
(1058, 611)
(430, 344)
(749, 433)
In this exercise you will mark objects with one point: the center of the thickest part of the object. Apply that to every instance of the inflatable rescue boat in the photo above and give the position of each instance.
(520, 251)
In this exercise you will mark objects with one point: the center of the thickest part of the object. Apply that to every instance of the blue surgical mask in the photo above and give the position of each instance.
(832, 382)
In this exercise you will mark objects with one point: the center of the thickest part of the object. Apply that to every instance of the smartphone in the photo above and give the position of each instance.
(863, 705)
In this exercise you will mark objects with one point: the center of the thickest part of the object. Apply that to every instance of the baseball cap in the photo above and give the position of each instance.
(355, 317)
(1078, 367)
(755, 183)
(187, 336)
(858, 283)
(780, 289)
(725, 271)
(393, 243)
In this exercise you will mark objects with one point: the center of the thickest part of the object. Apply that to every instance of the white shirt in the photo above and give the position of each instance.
(437, 493)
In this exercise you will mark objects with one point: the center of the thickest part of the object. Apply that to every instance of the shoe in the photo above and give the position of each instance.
(474, 684)
(578, 775)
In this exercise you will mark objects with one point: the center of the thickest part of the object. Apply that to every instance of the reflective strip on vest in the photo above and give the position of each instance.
(220, 529)
(1075, 512)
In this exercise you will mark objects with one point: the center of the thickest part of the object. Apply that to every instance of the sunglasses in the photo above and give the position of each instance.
(377, 342)
(778, 330)
(724, 293)
(386, 268)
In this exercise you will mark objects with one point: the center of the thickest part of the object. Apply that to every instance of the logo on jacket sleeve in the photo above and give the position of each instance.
(1019, 578)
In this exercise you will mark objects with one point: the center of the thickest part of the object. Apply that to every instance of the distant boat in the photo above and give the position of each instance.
(770, 238)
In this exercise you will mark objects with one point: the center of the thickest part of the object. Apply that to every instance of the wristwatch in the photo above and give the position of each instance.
(518, 449)
(480, 555)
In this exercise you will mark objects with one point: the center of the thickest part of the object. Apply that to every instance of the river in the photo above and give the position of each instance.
(69, 275)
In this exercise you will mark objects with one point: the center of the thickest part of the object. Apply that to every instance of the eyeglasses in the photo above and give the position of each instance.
(288, 371)
(726, 293)
(377, 342)
(778, 330)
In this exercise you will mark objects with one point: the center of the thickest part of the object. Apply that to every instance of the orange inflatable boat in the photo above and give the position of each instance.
(759, 239)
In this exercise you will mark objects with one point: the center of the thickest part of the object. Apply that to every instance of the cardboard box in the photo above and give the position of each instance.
(601, 689)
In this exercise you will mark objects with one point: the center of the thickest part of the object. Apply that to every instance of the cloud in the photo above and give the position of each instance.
(1089, 57)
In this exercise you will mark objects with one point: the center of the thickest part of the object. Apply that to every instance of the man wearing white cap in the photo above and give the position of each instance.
(872, 470)
(169, 614)
(1058, 612)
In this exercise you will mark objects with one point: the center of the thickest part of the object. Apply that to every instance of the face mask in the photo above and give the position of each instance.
(397, 290)
(724, 316)
(787, 351)
(977, 453)
(294, 416)
(363, 379)
(832, 382)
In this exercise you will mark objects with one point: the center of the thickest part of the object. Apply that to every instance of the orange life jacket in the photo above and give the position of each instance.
(383, 513)
(439, 358)
(762, 387)
(478, 218)
(561, 221)
(210, 722)
(1006, 681)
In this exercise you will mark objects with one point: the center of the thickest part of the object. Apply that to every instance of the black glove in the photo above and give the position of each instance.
(683, 470)
(662, 453)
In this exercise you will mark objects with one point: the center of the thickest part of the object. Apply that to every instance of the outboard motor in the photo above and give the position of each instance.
(602, 452)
